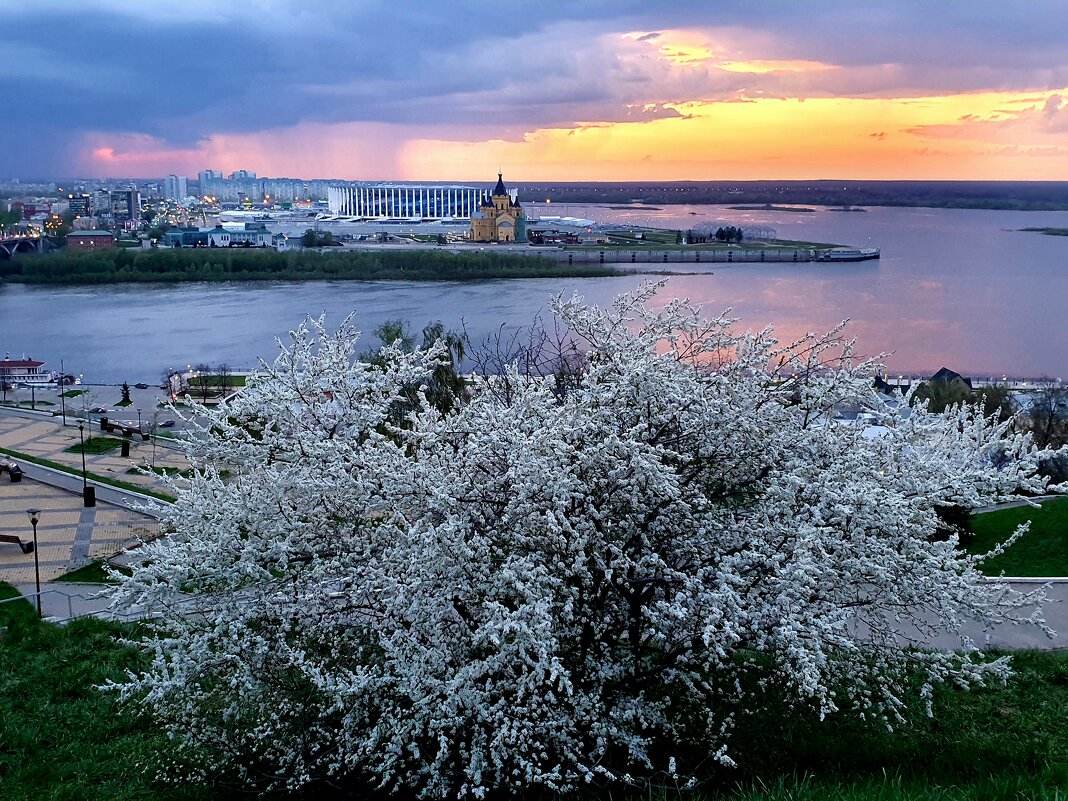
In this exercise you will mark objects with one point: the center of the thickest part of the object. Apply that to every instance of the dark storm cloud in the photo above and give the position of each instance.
(184, 72)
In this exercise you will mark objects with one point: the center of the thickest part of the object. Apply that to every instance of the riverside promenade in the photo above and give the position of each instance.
(70, 535)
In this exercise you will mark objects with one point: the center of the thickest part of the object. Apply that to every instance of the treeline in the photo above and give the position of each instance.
(224, 264)
(730, 233)
(1018, 195)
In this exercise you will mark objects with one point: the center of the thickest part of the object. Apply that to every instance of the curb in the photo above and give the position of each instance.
(135, 496)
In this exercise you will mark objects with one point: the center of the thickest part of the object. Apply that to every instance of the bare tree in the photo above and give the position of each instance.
(532, 351)
(223, 373)
(201, 380)
(1046, 414)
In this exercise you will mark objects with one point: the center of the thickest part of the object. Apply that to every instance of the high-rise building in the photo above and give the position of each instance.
(79, 205)
(175, 187)
(101, 202)
(126, 205)
(242, 175)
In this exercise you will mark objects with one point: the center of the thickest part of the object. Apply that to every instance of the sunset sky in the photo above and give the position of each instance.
(569, 91)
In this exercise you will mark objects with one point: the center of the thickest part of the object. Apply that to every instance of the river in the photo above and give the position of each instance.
(959, 288)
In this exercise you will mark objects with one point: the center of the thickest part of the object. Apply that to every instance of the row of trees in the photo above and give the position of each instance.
(585, 562)
(730, 233)
(224, 264)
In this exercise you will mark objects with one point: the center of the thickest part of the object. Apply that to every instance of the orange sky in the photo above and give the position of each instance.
(675, 105)
(889, 139)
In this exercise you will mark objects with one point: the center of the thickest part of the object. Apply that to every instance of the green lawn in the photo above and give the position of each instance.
(219, 381)
(92, 573)
(27, 404)
(74, 393)
(1043, 551)
(97, 445)
(60, 738)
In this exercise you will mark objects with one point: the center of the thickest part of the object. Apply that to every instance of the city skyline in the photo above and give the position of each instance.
(591, 91)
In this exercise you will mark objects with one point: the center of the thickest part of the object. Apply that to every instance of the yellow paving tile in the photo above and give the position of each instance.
(113, 528)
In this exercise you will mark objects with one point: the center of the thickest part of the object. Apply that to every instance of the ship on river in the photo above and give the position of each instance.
(847, 254)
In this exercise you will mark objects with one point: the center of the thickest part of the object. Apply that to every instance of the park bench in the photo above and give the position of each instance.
(111, 426)
(27, 547)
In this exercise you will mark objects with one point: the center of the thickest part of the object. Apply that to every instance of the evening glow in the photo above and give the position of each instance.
(435, 92)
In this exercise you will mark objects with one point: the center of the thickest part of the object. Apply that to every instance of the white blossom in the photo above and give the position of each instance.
(541, 588)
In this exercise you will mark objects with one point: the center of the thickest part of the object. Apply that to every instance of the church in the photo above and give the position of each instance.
(499, 217)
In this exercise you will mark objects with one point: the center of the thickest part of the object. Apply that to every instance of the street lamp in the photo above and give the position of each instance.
(138, 421)
(62, 392)
(88, 493)
(35, 515)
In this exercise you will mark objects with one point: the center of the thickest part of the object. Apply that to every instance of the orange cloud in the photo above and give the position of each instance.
(965, 136)
(767, 138)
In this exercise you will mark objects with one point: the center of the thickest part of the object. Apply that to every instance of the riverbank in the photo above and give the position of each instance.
(385, 262)
(388, 262)
(1047, 231)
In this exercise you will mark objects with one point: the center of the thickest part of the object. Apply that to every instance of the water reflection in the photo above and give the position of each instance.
(954, 287)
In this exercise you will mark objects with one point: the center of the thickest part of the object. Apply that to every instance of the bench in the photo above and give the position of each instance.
(27, 547)
(126, 430)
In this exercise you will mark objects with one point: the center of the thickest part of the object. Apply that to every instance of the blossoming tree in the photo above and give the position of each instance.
(546, 588)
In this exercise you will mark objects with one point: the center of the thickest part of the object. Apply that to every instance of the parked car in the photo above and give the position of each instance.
(167, 424)
(141, 385)
(98, 410)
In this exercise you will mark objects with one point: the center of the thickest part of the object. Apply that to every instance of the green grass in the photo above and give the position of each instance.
(94, 477)
(1043, 551)
(97, 445)
(74, 393)
(1007, 742)
(92, 573)
(60, 738)
(124, 404)
(218, 380)
(26, 404)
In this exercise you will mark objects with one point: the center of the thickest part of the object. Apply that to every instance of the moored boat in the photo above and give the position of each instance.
(847, 254)
(25, 371)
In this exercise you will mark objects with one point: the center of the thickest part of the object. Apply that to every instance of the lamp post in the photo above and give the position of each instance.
(88, 494)
(35, 515)
(138, 421)
(62, 392)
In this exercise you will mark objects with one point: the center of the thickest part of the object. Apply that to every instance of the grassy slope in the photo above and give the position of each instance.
(1043, 551)
(59, 737)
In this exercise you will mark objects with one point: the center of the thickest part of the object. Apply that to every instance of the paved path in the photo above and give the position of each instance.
(45, 437)
(69, 535)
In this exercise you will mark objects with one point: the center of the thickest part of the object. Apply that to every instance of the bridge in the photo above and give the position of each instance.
(10, 245)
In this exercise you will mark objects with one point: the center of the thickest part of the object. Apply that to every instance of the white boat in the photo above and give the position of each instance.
(847, 254)
(25, 371)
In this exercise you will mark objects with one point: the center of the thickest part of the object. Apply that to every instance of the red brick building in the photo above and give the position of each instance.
(90, 240)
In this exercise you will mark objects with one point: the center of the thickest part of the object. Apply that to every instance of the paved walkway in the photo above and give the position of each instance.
(69, 535)
(47, 438)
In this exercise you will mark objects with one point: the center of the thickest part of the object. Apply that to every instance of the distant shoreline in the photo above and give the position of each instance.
(771, 207)
(1046, 231)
